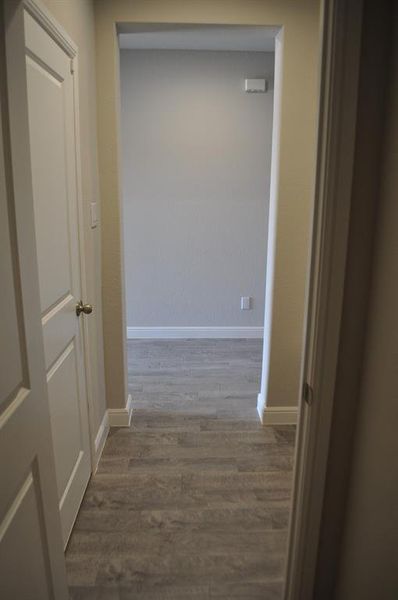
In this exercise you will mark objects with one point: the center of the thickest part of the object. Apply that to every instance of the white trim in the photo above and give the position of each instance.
(121, 417)
(100, 440)
(42, 15)
(193, 332)
(272, 215)
(82, 228)
(276, 415)
(261, 405)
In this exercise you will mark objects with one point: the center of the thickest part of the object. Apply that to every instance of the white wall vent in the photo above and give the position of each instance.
(256, 86)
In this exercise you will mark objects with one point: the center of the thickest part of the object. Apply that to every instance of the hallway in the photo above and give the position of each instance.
(192, 501)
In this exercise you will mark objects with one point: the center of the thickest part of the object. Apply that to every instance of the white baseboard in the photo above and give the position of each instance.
(193, 332)
(260, 406)
(100, 440)
(121, 417)
(276, 415)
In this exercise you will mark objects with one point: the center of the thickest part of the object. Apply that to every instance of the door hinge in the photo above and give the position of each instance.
(72, 68)
(308, 393)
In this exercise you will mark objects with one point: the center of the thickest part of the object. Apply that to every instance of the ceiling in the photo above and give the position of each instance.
(197, 37)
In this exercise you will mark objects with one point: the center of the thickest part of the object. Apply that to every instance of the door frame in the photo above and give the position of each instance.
(45, 19)
(282, 415)
(340, 64)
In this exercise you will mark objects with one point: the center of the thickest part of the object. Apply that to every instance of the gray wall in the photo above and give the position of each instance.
(196, 169)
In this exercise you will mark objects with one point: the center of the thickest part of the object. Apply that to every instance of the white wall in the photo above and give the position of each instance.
(196, 168)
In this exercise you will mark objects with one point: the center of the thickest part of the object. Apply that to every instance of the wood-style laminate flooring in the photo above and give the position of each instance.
(192, 501)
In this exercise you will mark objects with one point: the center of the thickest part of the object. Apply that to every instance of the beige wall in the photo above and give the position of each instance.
(369, 554)
(77, 18)
(300, 21)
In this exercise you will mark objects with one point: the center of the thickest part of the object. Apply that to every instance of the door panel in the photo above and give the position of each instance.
(57, 325)
(50, 88)
(62, 381)
(47, 96)
(31, 559)
(24, 515)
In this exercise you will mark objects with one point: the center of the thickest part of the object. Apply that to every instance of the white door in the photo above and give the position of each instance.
(31, 552)
(51, 110)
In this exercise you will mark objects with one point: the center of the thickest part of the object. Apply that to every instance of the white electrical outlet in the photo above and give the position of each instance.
(245, 303)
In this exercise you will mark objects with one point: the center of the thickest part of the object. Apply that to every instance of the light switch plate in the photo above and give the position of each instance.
(94, 215)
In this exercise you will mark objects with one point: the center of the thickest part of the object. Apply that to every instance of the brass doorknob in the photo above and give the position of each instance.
(87, 309)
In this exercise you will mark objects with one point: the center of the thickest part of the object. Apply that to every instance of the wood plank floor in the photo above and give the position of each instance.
(192, 501)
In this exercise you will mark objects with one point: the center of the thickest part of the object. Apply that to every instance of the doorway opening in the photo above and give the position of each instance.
(197, 104)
